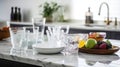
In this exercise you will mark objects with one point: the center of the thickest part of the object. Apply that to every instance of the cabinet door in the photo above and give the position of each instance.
(115, 35)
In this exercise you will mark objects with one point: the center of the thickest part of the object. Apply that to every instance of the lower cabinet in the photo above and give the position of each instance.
(8, 63)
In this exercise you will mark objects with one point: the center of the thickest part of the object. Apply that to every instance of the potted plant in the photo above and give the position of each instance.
(49, 9)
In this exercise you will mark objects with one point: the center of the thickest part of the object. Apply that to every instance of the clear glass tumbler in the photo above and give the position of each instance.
(71, 44)
(55, 34)
(31, 35)
(39, 22)
(18, 40)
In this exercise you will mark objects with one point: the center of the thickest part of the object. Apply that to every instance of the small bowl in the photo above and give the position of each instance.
(98, 36)
(4, 33)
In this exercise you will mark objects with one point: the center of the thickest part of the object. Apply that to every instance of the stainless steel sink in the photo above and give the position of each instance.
(93, 25)
(101, 26)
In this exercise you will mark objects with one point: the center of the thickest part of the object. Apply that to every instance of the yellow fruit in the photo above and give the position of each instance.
(81, 43)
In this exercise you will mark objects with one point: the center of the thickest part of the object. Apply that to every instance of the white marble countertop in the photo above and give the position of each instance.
(59, 60)
(79, 25)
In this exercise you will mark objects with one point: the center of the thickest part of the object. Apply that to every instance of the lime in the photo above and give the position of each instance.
(90, 43)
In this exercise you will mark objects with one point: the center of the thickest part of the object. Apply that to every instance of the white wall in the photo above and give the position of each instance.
(78, 8)
(29, 7)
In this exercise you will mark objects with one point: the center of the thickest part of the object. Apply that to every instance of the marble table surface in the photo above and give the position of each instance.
(59, 60)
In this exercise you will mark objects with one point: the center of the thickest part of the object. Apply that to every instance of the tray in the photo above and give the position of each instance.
(100, 51)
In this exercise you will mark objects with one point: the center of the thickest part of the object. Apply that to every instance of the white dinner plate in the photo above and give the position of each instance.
(46, 50)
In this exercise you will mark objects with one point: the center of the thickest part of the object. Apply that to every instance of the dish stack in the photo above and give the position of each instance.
(54, 43)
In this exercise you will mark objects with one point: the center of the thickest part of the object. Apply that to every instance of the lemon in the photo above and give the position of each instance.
(81, 43)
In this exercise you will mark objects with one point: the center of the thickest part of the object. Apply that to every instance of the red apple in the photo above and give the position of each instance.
(103, 46)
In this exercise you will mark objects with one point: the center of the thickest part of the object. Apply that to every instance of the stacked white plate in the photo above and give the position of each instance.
(47, 49)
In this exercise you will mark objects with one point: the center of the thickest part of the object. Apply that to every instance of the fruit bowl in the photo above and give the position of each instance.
(100, 51)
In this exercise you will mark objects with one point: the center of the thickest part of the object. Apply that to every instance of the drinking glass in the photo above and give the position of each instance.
(31, 35)
(55, 34)
(82, 38)
(72, 42)
(18, 40)
(39, 22)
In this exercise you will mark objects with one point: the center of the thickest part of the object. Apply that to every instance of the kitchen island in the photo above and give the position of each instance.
(56, 60)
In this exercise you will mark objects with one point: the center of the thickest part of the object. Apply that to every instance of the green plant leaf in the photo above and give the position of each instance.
(50, 8)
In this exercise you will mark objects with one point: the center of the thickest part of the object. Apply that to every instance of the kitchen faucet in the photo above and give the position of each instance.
(108, 20)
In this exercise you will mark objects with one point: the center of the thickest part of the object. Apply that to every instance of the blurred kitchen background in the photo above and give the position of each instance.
(74, 9)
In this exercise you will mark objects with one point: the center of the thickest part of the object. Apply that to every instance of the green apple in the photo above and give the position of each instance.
(90, 43)
(109, 44)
